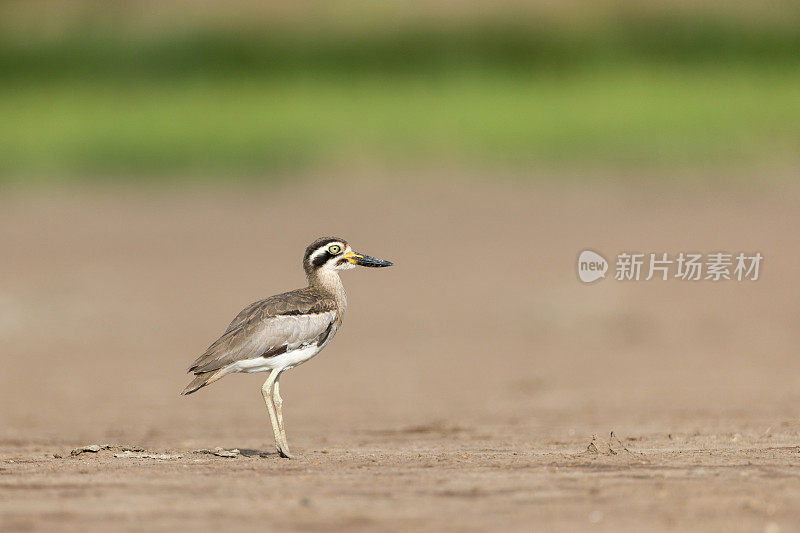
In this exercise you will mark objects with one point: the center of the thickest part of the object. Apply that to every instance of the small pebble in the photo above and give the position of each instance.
(93, 448)
(220, 452)
(137, 455)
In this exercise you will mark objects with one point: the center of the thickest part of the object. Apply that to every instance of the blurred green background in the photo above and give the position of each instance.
(224, 90)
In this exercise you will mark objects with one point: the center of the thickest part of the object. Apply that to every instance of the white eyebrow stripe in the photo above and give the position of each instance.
(323, 250)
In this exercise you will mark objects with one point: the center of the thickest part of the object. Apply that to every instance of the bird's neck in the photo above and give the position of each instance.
(329, 282)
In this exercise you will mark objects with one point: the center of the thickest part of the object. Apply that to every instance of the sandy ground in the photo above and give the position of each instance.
(465, 386)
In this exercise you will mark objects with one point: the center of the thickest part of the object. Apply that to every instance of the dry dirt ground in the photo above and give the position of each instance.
(462, 392)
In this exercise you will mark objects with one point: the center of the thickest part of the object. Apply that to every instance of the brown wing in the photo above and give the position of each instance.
(270, 327)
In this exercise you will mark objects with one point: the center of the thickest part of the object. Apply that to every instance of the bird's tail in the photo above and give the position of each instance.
(202, 379)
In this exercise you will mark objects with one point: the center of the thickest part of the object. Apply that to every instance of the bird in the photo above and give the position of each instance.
(283, 331)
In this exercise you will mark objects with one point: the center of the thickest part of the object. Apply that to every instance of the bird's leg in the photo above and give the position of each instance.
(266, 392)
(283, 447)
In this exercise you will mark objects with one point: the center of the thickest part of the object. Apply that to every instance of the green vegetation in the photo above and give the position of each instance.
(90, 103)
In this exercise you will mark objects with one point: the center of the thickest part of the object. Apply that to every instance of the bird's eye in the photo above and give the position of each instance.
(334, 249)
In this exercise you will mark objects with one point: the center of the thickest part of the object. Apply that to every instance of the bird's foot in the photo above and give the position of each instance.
(285, 453)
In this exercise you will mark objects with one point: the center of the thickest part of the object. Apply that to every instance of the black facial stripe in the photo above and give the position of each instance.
(317, 247)
(341, 261)
(321, 259)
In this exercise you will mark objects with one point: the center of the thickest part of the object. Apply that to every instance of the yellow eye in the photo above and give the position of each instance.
(334, 249)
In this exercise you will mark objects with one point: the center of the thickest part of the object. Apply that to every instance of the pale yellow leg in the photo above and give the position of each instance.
(266, 392)
(283, 448)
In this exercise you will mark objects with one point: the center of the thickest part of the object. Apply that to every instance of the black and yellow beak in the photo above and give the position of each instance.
(366, 260)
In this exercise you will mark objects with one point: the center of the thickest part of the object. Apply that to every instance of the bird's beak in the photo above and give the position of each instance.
(365, 260)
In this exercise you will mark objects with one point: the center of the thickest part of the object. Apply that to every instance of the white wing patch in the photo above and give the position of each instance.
(296, 330)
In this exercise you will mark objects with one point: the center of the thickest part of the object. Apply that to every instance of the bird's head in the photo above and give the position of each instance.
(333, 253)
